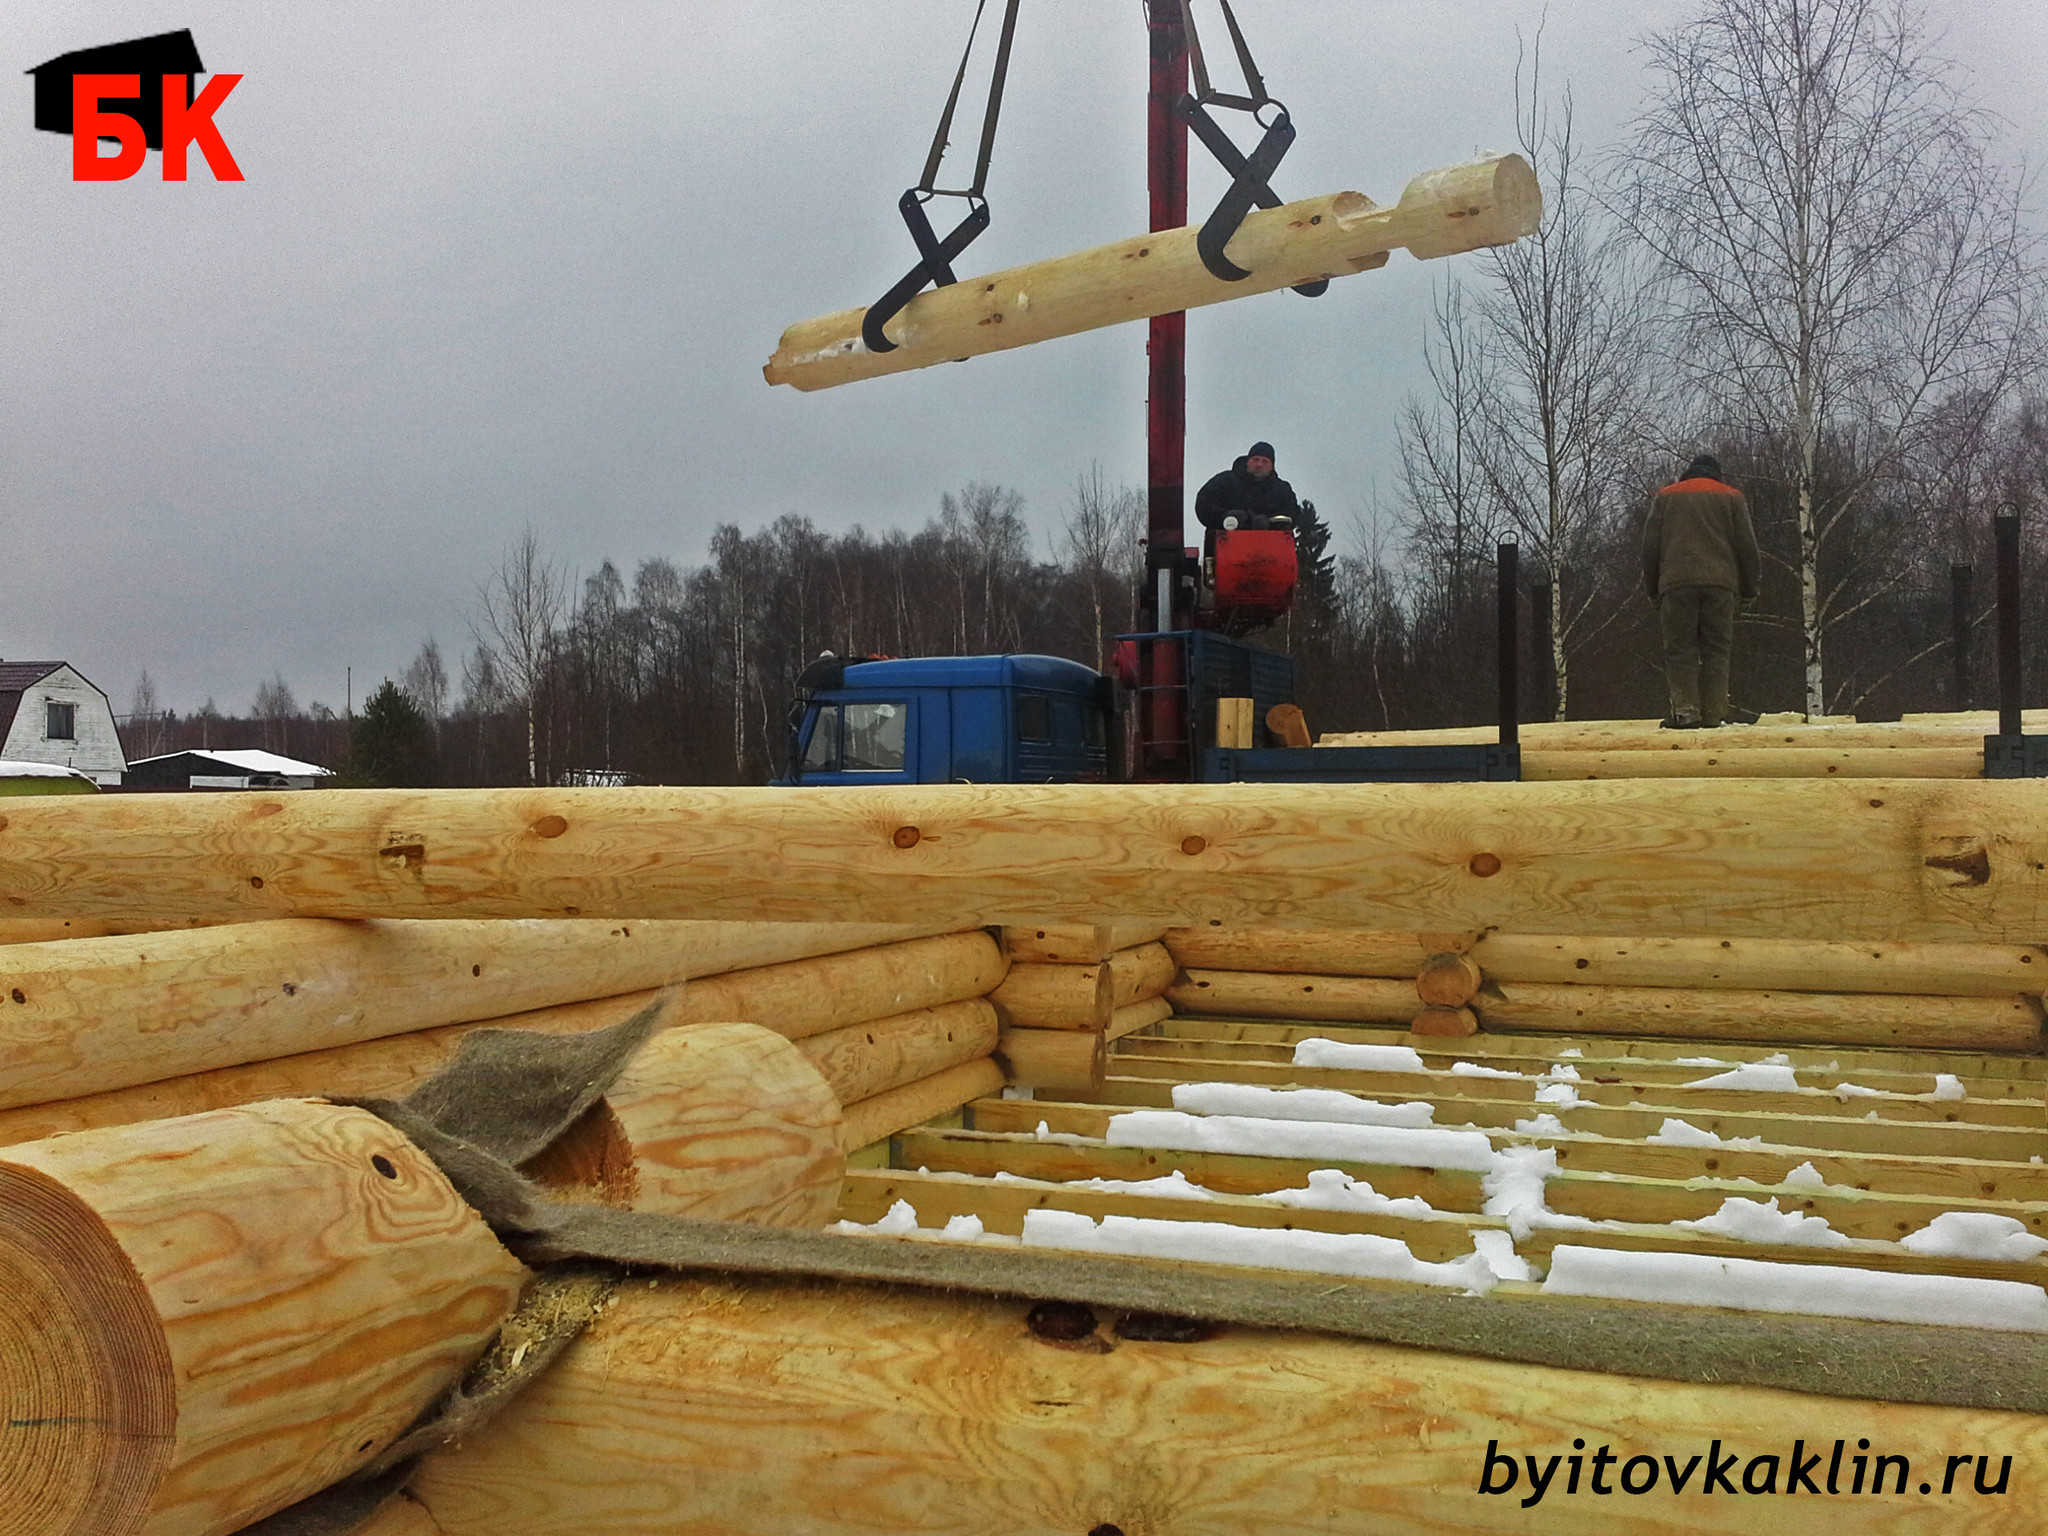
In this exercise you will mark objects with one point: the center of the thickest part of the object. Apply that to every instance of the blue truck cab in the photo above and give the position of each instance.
(951, 720)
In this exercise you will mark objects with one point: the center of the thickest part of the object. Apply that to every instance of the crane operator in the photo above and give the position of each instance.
(1250, 493)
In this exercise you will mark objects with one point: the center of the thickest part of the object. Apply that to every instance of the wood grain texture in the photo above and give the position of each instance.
(1647, 736)
(1545, 767)
(1459, 208)
(1304, 951)
(43, 930)
(1448, 980)
(773, 1408)
(1450, 1023)
(863, 1060)
(403, 1516)
(722, 1122)
(1141, 974)
(313, 1281)
(89, 1015)
(810, 997)
(1795, 965)
(1260, 994)
(1907, 860)
(870, 1120)
(1929, 1023)
(1133, 1017)
(1056, 1060)
(1076, 943)
(1056, 997)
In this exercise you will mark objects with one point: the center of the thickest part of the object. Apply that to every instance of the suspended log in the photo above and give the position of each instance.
(1448, 980)
(1903, 762)
(810, 997)
(1262, 995)
(1923, 1023)
(87, 1015)
(725, 1122)
(209, 1318)
(1138, 975)
(875, 1119)
(1798, 965)
(901, 1410)
(1441, 213)
(1310, 951)
(1056, 1060)
(863, 1060)
(1076, 943)
(1919, 860)
(1133, 1017)
(1056, 997)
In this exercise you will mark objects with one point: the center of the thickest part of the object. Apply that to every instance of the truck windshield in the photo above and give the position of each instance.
(875, 737)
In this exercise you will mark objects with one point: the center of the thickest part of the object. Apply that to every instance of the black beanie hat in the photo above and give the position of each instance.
(1260, 450)
(1704, 464)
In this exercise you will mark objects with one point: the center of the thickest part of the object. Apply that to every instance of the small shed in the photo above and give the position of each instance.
(225, 768)
(49, 713)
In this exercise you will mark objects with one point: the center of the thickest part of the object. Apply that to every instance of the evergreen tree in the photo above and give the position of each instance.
(391, 744)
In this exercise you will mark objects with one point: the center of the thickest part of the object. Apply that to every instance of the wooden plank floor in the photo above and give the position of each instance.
(1894, 1150)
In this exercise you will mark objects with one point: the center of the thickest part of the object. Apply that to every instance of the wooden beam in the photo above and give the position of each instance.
(1141, 974)
(863, 1060)
(810, 997)
(1133, 1017)
(871, 1120)
(723, 1122)
(1445, 1023)
(896, 1410)
(1076, 943)
(1541, 767)
(1441, 213)
(1911, 860)
(1826, 1018)
(1260, 994)
(1056, 1060)
(1303, 951)
(45, 930)
(219, 1315)
(1056, 997)
(84, 1016)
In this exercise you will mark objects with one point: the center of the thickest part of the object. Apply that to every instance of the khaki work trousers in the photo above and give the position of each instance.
(1699, 632)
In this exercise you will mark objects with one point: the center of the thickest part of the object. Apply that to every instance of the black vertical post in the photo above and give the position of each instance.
(2006, 530)
(1508, 645)
(1959, 633)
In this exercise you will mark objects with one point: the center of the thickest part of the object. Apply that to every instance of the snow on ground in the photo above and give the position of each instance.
(1173, 1186)
(1825, 1290)
(1327, 1105)
(1331, 1189)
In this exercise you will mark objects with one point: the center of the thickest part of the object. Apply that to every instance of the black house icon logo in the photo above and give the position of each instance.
(167, 53)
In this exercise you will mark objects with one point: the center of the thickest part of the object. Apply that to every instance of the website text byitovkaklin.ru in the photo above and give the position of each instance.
(1822, 1468)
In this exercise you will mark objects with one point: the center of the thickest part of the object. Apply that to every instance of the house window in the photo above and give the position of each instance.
(60, 721)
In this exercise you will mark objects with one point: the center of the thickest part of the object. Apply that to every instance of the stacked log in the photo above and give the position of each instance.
(1959, 996)
(1072, 989)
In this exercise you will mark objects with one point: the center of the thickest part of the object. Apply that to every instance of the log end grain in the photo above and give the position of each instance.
(1448, 980)
(1058, 1060)
(85, 1374)
(1454, 1022)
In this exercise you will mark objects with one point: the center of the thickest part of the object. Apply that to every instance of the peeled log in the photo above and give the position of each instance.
(762, 1408)
(45, 930)
(206, 1319)
(1796, 965)
(863, 1060)
(83, 1016)
(1261, 995)
(809, 997)
(1821, 1018)
(1574, 736)
(872, 1120)
(1448, 981)
(1138, 975)
(1893, 860)
(1056, 997)
(1058, 1060)
(1455, 1023)
(1308, 951)
(1133, 1017)
(723, 1122)
(401, 1517)
(1441, 213)
(1904, 762)
(1076, 943)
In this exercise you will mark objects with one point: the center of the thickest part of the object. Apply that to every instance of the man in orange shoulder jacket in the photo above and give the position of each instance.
(1699, 559)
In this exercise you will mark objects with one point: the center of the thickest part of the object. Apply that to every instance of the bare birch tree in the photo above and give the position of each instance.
(519, 609)
(1845, 251)
(1100, 542)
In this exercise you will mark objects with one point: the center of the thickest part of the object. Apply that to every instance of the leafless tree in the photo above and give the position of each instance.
(275, 707)
(1442, 482)
(990, 549)
(145, 718)
(519, 608)
(1846, 255)
(1100, 543)
(426, 683)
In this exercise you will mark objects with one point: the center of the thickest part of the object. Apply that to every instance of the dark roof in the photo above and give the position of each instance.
(14, 677)
(162, 53)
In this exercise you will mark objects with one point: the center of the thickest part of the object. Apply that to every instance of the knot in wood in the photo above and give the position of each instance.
(550, 826)
(907, 837)
(1193, 845)
(1484, 864)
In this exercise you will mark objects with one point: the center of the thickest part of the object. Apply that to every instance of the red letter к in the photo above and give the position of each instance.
(89, 124)
(185, 125)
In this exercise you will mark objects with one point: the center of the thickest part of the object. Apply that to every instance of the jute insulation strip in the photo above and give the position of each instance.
(216, 1316)
(84, 1016)
(1907, 860)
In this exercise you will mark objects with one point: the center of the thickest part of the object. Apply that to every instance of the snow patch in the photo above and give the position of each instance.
(1331, 1189)
(1805, 1176)
(1474, 1069)
(1399, 1145)
(1683, 1133)
(1773, 1074)
(1322, 1104)
(1754, 1221)
(1498, 1250)
(1173, 1186)
(1318, 1052)
(1975, 1235)
(1542, 1125)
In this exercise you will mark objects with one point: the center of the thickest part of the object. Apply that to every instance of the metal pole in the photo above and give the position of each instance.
(1508, 644)
(1166, 175)
(2006, 536)
(1959, 634)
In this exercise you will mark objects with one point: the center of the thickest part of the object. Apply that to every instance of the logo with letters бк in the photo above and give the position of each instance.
(139, 94)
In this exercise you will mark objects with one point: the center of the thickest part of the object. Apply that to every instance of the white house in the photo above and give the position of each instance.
(51, 714)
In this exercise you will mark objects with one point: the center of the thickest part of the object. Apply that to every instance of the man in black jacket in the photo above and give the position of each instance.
(1248, 491)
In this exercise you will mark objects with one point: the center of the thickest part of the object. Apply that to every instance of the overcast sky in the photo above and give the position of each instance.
(516, 263)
